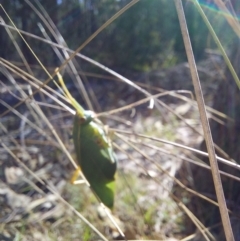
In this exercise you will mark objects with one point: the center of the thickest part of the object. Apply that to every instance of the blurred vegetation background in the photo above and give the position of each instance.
(149, 31)
(144, 44)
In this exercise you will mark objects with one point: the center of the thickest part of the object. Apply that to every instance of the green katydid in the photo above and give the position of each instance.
(94, 151)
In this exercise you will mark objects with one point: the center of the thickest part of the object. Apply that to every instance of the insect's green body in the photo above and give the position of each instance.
(94, 151)
(95, 156)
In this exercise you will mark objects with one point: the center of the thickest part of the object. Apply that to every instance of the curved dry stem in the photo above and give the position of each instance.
(234, 165)
(25, 76)
(17, 48)
(56, 34)
(198, 163)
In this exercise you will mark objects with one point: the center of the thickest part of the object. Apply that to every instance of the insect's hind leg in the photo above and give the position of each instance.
(75, 176)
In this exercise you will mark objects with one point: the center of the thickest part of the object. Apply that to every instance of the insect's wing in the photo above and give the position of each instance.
(108, 159)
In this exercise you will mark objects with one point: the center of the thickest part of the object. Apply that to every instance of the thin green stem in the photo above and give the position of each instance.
(217, 41)
(75, 104)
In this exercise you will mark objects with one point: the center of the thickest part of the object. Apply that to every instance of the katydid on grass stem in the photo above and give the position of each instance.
(94, 151)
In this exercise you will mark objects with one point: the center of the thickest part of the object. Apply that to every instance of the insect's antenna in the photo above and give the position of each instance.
(78, 107)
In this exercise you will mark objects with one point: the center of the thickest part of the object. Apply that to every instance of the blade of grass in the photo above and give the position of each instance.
(206, 128)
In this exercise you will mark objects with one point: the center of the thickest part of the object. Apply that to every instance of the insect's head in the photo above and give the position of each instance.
(88, 117)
